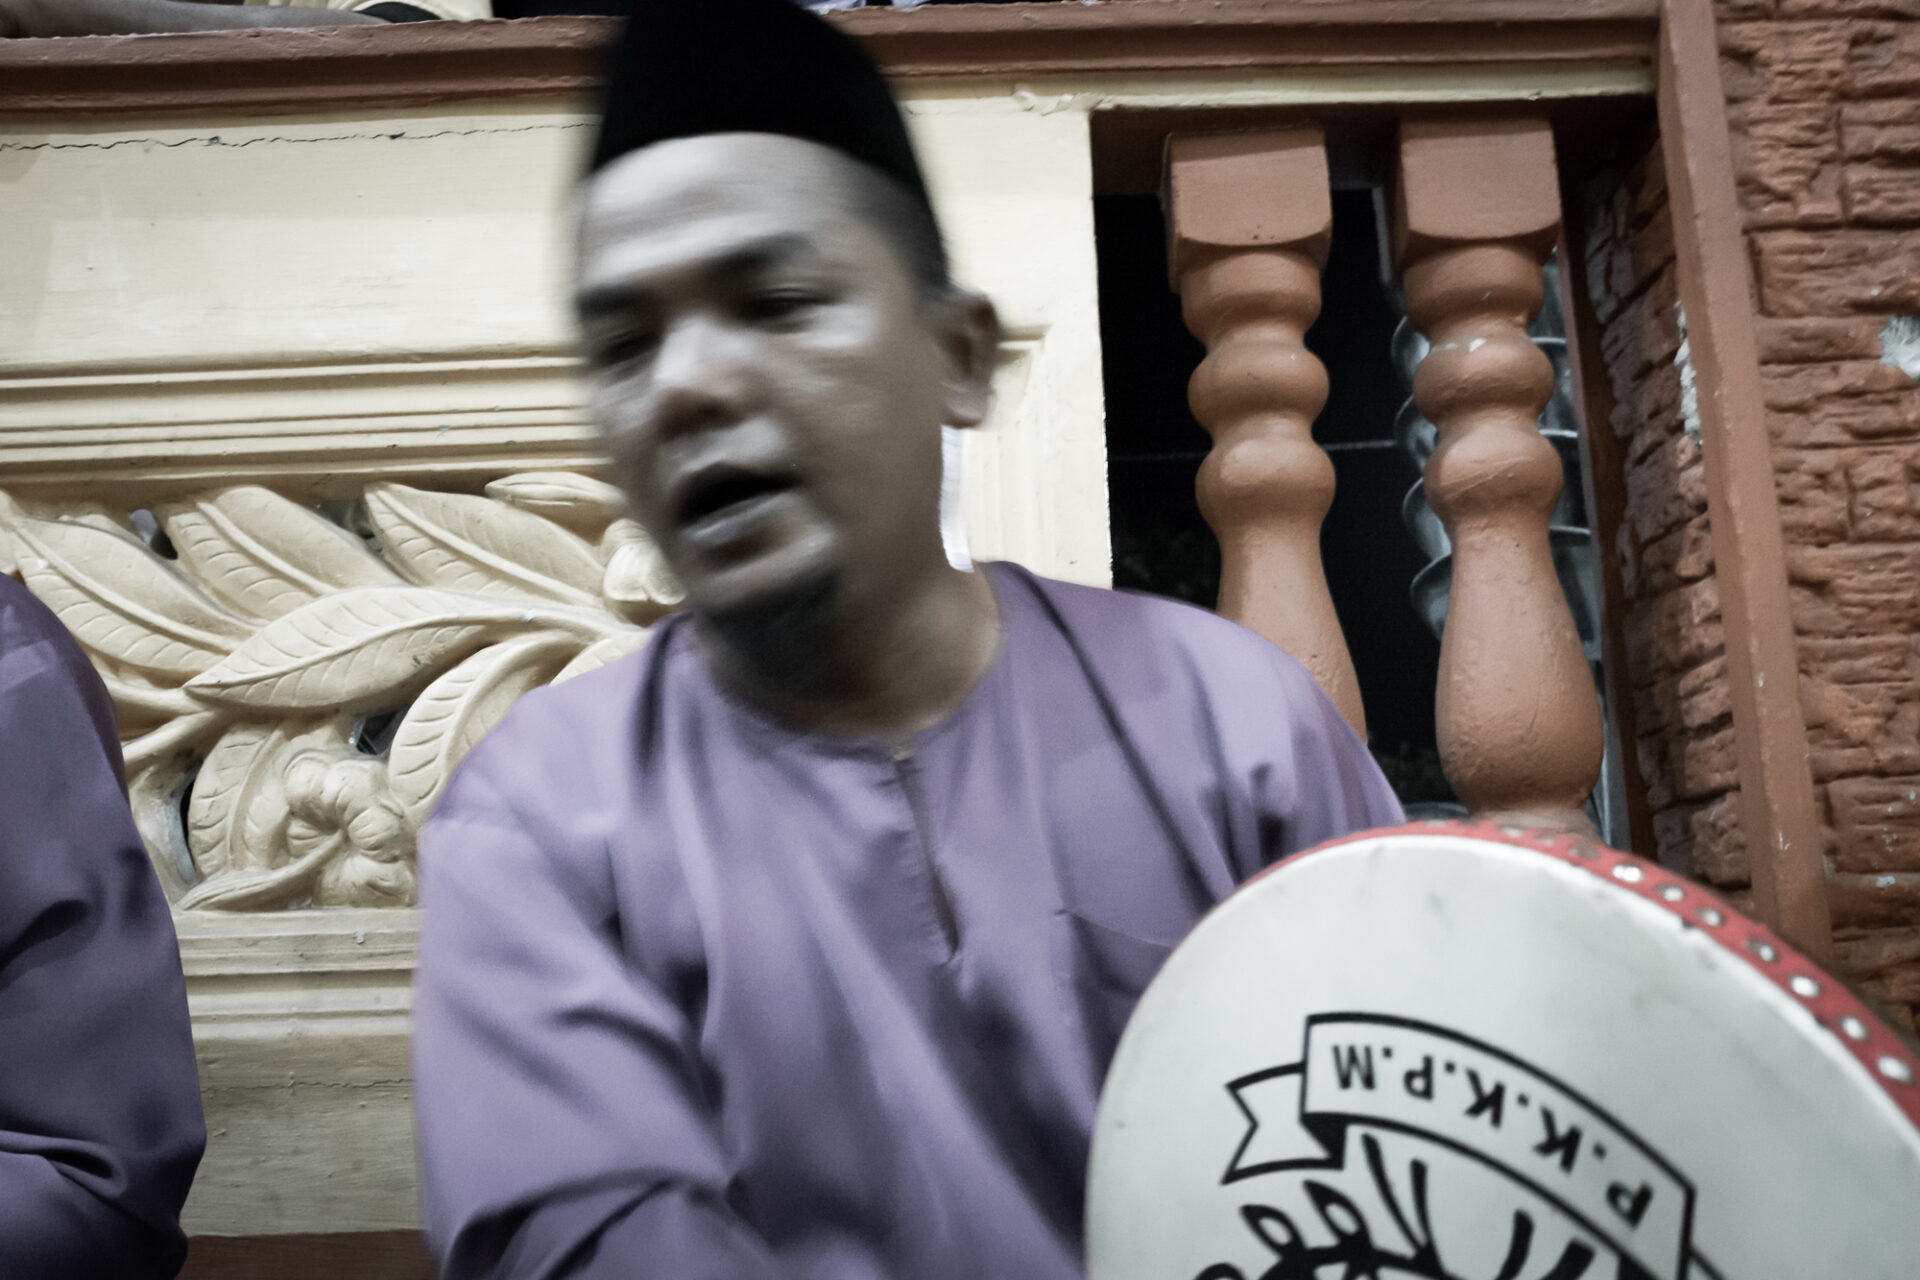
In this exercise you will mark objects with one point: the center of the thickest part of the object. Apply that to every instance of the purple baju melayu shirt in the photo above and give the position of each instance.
(707, 998)
(100, 1127)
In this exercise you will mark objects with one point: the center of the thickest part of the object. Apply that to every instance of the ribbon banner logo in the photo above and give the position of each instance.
(1391, 1145)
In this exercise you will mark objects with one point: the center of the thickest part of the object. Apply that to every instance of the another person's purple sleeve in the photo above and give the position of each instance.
(100, 1126)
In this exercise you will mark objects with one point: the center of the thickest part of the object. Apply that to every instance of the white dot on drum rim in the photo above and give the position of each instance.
(1515, 832)
(1628, 872)
(1894, 1069)
(1803, 986)
(1765, 950)
(1712, 917)
(1853, 1027)
(1673, 893)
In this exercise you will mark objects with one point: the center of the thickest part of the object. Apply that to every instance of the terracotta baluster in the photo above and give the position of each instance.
(1477, 210)
(1249, 221)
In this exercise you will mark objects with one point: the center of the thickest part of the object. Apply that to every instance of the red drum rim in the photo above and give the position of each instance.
(1860, 1031)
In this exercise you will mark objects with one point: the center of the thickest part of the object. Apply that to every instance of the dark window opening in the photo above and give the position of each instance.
(1154, 448)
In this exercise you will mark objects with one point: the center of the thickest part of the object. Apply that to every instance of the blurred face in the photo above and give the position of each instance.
(770, 382)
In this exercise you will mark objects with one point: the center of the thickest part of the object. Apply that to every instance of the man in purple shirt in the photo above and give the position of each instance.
(797, 945)
(100, 1127)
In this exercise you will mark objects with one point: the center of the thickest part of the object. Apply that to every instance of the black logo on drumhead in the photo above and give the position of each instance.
(1399, 1149)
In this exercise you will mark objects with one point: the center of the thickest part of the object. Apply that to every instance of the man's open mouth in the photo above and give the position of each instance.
(725, 492)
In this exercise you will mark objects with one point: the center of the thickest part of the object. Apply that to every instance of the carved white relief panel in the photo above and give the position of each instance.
(294, 690)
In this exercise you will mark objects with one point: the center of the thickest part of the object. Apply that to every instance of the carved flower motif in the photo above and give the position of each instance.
(343, 816)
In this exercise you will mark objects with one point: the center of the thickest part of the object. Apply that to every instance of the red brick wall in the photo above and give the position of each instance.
(1824, 99)
(1674, 649)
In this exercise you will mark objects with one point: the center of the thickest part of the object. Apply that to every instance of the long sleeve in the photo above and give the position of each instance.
(100, 1125)
(564, 1126)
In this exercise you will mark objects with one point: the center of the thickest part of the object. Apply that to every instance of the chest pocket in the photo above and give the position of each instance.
(1106, 971)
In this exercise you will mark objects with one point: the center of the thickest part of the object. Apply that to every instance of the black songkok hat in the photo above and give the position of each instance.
(688, 67)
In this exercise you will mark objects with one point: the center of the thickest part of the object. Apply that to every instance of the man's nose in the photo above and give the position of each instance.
(700, 375)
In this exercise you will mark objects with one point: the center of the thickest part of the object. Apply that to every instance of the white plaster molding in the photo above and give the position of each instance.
(314, 430)
(1306, 87)
(301, 1026)
(296, 241)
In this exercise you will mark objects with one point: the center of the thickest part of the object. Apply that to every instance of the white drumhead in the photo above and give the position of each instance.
(1466, 1054)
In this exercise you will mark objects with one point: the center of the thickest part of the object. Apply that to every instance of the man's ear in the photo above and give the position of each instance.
(970, 341)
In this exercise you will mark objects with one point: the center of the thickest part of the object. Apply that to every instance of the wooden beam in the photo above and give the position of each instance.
(1250, 35)
(355, 67)
(361, 1255)
(1776, 781)
(267, 70)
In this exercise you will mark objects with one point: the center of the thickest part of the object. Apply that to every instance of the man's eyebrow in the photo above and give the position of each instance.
(738, 260)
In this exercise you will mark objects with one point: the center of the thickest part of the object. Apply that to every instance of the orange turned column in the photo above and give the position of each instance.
(1249, 221)
(1477, 210)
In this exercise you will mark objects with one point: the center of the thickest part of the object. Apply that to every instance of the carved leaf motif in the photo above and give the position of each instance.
(259, 888)
(153, 794)
(120, 599)
(219, 795)
(138, 704)
(602, 652)
(262, 838)
(102, 519)
(265, 554)
(363, 648)
(637, 580)
(466, 543)
(97, 514)
(456, 710)
(223, 792)
(236, 821)
(581, 503)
